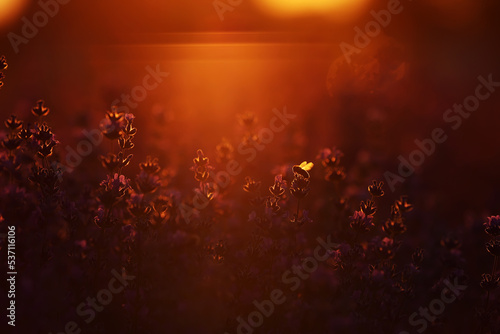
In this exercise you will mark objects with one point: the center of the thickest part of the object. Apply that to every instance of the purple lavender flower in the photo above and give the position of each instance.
(492, 226)
(360, 222)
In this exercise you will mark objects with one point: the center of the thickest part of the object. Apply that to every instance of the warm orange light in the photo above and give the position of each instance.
(10, 10)
(337, 8)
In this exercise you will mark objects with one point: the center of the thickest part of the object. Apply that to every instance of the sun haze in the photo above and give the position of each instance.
(10, 10)
(339, 9)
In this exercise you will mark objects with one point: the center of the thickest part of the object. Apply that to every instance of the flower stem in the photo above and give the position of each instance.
(495, 265)
(138, 281)
(298, 206)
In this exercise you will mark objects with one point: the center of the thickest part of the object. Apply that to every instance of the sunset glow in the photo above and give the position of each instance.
(249, 166)
(10, 10)
(337, 8)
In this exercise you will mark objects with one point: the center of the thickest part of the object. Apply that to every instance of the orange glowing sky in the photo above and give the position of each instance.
(340, 9)
(10, 10)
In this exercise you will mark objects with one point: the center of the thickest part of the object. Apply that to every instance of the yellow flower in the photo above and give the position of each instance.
(306, 165)
(303, 169)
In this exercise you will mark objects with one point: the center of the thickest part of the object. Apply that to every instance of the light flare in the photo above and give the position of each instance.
(338, 9)
(11, 10)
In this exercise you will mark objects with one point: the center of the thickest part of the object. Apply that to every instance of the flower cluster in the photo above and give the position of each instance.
(3, 66)
(24, 143)
(395, 225)
(490, 281)
(299, 187)
(148, 180)
(201, 167)
(376, 189)
(13, 140)
(251, 186)
(202, 170)
(40, 110)
(492, 227)
(277, 191)
(330, 159)
(224, 151)
(247, 119)
(113, 125)
(135, 222)
(116, 126)
(45, 140)
(217, 251)
(361, 222)
(367, 264)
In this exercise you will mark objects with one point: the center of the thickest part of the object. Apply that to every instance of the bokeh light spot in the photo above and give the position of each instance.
(10, 10)
(344, 9)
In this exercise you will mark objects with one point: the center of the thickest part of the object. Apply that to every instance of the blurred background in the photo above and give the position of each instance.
(216, 61)
(226, 58)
